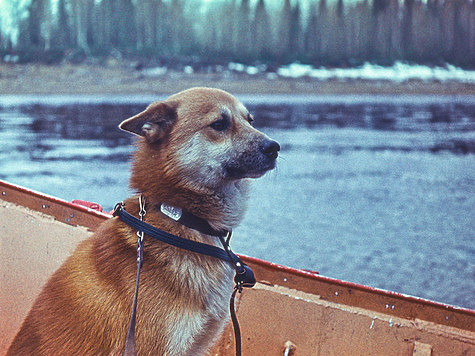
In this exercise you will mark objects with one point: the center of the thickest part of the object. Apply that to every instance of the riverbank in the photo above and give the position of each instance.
(127, 79)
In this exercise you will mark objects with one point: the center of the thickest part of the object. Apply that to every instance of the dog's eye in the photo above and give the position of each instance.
(250, 118)
(221, 124)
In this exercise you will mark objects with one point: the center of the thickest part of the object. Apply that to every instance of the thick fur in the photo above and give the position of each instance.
(184, 158)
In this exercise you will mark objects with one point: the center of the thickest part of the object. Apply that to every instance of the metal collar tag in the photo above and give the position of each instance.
(171, 211)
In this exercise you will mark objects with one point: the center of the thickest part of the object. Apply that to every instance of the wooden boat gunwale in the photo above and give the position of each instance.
(326, 288)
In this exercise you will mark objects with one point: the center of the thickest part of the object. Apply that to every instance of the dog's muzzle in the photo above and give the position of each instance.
(253, 163)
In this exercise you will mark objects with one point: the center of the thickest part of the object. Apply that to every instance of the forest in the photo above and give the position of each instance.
(334, 33)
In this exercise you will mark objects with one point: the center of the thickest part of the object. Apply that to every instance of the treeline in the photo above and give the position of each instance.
(319, 32)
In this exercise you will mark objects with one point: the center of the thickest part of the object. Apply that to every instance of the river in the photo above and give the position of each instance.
(373, 190)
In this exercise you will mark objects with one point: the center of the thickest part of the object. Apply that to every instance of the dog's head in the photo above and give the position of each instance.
(204, 138)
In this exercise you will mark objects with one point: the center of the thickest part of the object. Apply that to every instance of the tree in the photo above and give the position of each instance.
(379, 6)
(285, 22)
(463, 15)
(323, 31)
(79, 16)
(123, 35)
(434, 14)
(210, 31)
(46, 25)
(386, 35)
(181, 38)
(359, 33)
(295, 45)
(163, 28)
(244, 39)
(150, 25)
(311, 35)
(227, 28)
(263, 35)
(337, 46)
(2, 44)
(406, 35)
(34, 33)
(63, 28)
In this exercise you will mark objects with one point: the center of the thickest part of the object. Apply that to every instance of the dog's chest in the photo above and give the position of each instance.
(194, 328)
(213, 284)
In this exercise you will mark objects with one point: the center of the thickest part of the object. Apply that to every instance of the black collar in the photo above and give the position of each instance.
(244, 276)
(189, 220)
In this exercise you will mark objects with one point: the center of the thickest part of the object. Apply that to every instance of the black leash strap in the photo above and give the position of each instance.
(244, 275)
(234, 319)
(244, 278)
(130, 340)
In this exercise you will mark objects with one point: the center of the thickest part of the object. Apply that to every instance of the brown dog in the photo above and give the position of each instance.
(196, 151)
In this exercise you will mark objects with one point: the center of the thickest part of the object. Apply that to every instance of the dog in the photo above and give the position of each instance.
(196, 150)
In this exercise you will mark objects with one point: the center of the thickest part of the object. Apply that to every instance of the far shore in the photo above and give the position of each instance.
(36, 79)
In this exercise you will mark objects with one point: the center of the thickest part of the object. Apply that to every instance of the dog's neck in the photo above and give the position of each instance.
(223, 209)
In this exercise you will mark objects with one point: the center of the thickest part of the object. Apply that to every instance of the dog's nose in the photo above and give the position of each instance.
(270, 149)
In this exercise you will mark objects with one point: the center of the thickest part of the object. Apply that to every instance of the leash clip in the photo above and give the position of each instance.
(244, 278)
(142, 211)
(117, 208)
(140, 233)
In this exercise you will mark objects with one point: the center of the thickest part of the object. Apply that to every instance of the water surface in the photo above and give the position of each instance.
(374, 190)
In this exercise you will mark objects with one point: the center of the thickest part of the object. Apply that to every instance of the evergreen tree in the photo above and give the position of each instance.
(359, 33)
(337, 40)
(150, 25)
(2, 42)
(181, 38)
(103, 25)
(90, 33)
(406, 35)
(295, 44)
(387, 42)
(210, 31)
(161, 27)
(463, 16)
(434, 13)
(63, 28)
(34, 33)
(80, 23)
(46, 26)
(124, 32)
(284, 28)
(244, 39)
(142, 25)
(323, 31)
(228, 29)
(263, 35)
(311, 35)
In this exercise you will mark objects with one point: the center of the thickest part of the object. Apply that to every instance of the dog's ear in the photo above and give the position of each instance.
(152, 123)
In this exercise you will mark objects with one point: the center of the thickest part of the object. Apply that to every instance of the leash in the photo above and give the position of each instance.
(244, 276)
(130, 340)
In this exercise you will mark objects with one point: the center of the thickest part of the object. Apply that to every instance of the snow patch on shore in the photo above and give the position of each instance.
(399, 72)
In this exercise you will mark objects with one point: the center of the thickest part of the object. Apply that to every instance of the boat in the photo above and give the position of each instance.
(288, 312)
